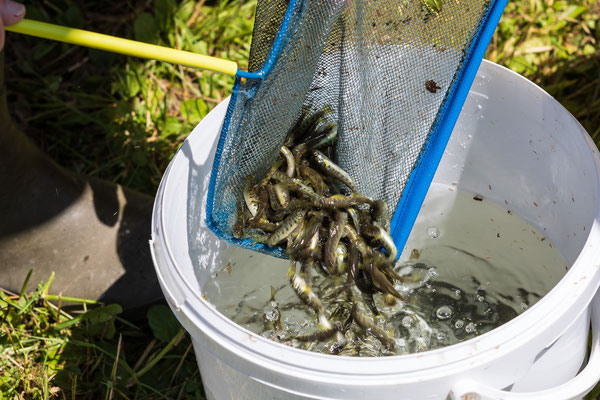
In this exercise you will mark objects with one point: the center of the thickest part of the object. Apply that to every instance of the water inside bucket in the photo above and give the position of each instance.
(471, 265)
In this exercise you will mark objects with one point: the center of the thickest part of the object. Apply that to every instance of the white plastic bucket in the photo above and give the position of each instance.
(511, 135)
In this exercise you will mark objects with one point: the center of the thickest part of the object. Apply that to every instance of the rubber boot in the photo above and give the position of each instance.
(92, 234)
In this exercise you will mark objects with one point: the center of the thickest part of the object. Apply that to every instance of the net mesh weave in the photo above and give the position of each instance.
(384, 67)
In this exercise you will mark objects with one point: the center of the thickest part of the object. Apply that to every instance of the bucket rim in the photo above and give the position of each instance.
(571, 295)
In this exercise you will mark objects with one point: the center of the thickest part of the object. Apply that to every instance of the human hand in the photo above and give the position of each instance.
(10, 13)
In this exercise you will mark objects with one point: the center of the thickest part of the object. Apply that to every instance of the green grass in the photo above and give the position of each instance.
(90, 352)
(555, 44)
(122, 119)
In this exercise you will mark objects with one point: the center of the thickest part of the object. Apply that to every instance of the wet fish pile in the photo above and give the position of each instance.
(312, 207)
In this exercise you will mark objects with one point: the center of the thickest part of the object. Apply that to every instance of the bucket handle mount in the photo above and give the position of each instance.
(576, 388)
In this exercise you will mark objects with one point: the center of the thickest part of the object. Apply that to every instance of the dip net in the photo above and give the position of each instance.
(392, 74)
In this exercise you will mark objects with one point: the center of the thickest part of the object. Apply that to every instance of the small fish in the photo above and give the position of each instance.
(283, 195)
(361, 280)
(341, 201)
(326, 139)
(274, 322)
(365, 323)
(355, 218)
(290, 138)
(296, 185)
(262, 224)
(251, 197)
(341, 253)
(314, 178)
(318, 336)
(383, 283)
(263, 203)
(289, 159)
(308, 125)
(273, 199)
(309, 297)
(370, 302)
(318, 136)
(278, 163)
(240, 219)
(380, 235)
(357, 241)
(333, 169)
(336, 231)
(286, 227)
(307, 241)
(381, 214)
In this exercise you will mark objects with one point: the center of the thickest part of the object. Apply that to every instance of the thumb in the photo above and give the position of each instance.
(11, 12)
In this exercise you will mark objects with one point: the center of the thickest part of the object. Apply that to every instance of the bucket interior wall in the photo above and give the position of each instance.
(513, 146)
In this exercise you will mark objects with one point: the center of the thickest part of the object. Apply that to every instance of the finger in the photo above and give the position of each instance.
(12, 12)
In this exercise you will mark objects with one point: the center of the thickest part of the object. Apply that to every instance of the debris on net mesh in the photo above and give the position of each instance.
(347, 109)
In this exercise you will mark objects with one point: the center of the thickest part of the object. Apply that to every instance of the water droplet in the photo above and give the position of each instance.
(432, 271)
(433, 232)
(470, 328)
(407, 322)
(443, 313)
(459, 323)
(524, 306)
(479, 106)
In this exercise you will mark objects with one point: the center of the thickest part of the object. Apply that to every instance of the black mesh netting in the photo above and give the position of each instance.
(384, 68)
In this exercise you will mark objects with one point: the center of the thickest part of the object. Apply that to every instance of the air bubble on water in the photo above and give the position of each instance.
(407, 321)
(470, 328)
(524, 306)
(441, 336)
(443, 313)
(406, 270)
(480, 298)
(459, 323)
(457, 292)
(432, 271)
(272, 315)
(433, 232)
